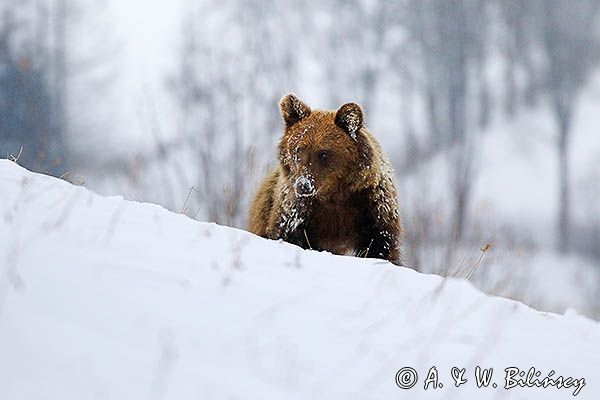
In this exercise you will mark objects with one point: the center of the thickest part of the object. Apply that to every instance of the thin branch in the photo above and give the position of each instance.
(184, 207)
(196, 213)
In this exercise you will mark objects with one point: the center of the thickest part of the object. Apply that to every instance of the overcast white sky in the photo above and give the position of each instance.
(147, 32)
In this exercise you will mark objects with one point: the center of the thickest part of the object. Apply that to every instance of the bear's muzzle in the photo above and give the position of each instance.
(304, 186)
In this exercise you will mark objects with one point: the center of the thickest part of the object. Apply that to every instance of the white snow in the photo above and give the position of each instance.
(306, 181)
(107, 298)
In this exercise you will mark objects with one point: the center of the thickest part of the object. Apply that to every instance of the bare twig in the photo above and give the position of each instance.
(196, 213)
(184, 207)
(16, 159)
(461, 267)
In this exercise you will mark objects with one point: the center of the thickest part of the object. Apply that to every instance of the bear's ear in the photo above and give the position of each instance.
(350, 118)
(293, 109)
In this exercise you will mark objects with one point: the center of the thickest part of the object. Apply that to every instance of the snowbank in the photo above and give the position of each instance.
(107, 298)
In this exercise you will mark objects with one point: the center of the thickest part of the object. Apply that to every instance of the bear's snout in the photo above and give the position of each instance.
(304, 186)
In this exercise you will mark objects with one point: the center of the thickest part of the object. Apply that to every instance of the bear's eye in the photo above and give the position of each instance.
(323, 156)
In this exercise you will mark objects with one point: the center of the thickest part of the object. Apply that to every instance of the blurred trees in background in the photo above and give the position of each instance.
(450, 39)
(44, 77)
(431, 75)
(33, 121)
(226, 97)
(571, 51)
(241, 56)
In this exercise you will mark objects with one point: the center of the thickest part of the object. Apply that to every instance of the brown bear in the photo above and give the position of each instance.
(333, 189)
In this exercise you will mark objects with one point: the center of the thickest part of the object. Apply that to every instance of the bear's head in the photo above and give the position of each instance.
(323, 153)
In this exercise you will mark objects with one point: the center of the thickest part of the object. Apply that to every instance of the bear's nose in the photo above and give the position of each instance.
(304, 186)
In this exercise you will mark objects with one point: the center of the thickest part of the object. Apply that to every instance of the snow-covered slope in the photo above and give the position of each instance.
(111, 299)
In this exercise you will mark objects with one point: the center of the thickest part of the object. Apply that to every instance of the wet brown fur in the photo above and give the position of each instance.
(354, 210)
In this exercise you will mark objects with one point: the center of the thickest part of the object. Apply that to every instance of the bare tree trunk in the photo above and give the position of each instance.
(571, 53)
(433, 121)
(462, 160)
(457, 107)
(564, 208)
(484, 96)
(457, 68)
(59, 61)
(532, 85)
(369, 83)
(459, 213)
(510, 96)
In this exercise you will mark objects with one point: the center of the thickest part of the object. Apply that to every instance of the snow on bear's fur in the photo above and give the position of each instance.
(333, 189)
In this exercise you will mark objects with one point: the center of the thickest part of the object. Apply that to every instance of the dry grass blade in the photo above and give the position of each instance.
(307, 241)
(484, 249)
(72, 178)
(15, 159)
(197, 212)
(184, 207)
(368, 248)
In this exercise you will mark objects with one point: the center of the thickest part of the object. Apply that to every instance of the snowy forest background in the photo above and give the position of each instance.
(488, 109)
